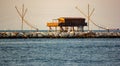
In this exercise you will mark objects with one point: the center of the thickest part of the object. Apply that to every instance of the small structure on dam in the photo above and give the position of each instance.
(67, 24)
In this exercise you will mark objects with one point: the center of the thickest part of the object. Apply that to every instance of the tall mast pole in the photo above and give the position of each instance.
(22, 16)
(88, 18)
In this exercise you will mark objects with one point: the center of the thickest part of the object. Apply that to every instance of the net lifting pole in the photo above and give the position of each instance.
(88, 17)
(22, 15)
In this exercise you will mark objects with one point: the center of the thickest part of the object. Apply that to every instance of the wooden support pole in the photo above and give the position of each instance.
(22, 16)
(88, 18)
(55, 29)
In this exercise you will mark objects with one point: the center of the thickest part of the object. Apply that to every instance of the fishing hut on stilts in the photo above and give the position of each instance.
(67, 24)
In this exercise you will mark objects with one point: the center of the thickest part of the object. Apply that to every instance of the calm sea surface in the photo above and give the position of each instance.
(60, 52)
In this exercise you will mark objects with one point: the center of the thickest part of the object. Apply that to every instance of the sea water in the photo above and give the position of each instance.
(60, 52)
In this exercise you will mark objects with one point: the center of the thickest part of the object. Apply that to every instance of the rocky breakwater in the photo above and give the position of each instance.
(59, 35)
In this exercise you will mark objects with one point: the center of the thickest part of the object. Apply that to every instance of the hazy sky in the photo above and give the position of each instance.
(107, 12)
